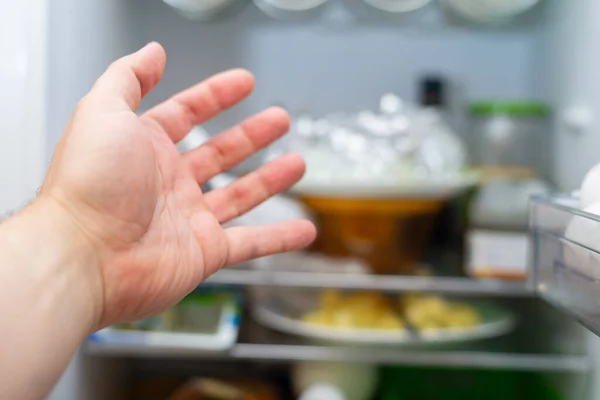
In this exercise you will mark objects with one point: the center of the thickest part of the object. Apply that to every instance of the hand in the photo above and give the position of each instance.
(136, 200)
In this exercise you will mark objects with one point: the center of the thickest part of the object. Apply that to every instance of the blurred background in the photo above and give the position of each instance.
(446, 144)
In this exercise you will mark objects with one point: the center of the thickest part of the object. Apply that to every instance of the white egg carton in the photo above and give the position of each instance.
(565, 256)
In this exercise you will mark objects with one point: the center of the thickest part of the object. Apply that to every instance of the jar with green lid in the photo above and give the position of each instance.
(511, 134)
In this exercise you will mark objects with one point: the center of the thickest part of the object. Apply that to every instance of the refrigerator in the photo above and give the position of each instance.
(52, 51)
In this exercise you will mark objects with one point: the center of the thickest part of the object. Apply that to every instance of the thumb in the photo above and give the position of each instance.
(129, 79)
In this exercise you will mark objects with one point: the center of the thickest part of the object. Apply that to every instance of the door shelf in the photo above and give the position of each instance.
(385, 283)
(565, 258)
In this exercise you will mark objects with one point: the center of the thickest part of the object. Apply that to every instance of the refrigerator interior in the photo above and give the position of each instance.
(337, 63)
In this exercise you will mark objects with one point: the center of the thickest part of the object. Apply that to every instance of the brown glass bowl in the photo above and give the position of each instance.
(389, 235)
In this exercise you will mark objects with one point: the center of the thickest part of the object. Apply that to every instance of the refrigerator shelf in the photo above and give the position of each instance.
(382, 356)
(286, 351)
(257, 342)
(385, 283)
(565, 258)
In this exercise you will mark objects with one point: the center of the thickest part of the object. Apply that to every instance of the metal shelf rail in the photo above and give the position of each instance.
(390, 283)
(259, 343)
(303, 352)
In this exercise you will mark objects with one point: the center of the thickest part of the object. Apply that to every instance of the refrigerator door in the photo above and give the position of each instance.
(571, 79)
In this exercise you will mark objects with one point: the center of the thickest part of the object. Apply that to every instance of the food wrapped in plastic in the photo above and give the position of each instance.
(397, 144)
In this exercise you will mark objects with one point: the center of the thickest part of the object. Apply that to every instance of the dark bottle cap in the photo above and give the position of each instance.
(432, 92)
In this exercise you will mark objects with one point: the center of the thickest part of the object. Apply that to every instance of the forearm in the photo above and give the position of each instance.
(48, 302)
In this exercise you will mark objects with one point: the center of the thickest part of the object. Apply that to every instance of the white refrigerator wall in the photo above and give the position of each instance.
(23, 61)
(84, 38)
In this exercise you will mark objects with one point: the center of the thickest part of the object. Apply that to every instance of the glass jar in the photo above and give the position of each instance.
(511, 144)
(511, 134)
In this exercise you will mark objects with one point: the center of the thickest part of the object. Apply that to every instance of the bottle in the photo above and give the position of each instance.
(432, 92)
(321, 391)
(441, 152)
(442, 155)
(341, 381)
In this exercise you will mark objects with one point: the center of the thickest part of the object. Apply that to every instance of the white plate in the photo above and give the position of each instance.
(417, 188)
(496, 321)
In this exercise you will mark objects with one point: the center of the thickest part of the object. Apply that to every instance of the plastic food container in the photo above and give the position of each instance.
(207, 319)
(291, 9)
(565, 261)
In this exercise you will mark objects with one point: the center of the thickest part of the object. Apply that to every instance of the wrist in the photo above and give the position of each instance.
(49, 280)
(65, 270)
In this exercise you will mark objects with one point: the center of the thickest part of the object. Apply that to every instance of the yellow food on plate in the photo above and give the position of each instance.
(434, 312)
(390, 321)
(462, 315)
(330, 299)
(366, 310)
(372, 310)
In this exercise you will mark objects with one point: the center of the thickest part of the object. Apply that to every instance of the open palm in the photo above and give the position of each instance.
(138, 200)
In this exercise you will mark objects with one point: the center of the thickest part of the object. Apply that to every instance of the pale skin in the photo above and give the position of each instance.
(121, 230)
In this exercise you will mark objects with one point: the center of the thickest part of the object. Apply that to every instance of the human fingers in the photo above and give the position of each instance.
(201, 102)
(251, 190)
(233, 146)
(249, 242)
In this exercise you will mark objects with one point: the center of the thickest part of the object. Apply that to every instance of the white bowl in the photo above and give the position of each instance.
(397, 6)
(490, 10)
(202, 9)
(291, 9)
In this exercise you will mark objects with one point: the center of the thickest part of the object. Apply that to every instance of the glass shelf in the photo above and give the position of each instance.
(386, 283)
(262, 344)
